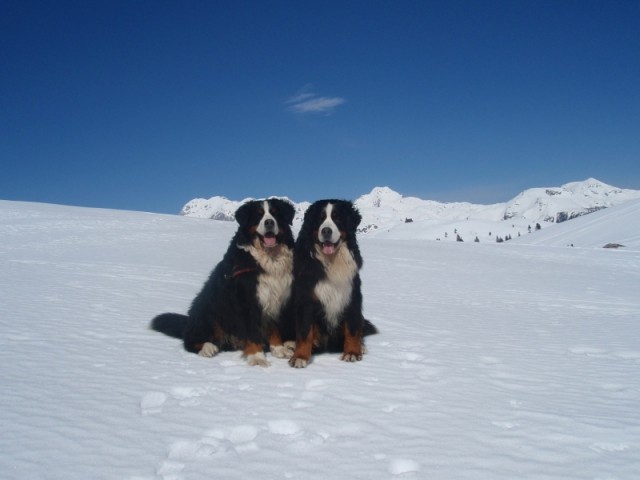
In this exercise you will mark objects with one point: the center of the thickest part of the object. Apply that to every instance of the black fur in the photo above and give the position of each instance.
(311, 268)
(227, 311)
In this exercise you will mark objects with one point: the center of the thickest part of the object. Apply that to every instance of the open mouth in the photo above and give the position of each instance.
(269, 240)
(329, 248)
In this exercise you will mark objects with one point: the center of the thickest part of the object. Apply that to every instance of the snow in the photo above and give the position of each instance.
(494, 361)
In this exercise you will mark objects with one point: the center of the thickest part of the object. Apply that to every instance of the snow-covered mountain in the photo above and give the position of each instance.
(221, 208)
(614, 227)
(569, 201)
(215, 208)
(384, 209)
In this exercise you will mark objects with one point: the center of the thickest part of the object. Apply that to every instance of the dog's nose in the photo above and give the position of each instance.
(326, 232)
(269, 224)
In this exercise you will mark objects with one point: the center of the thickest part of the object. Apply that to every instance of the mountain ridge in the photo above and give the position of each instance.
(383, 208)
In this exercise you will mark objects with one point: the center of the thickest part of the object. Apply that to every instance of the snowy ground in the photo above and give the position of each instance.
(493, 362)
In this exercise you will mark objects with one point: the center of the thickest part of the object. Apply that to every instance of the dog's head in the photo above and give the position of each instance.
(267, 221)
(329, 224)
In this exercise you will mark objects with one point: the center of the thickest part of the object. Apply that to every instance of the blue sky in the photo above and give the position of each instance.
(144, 105)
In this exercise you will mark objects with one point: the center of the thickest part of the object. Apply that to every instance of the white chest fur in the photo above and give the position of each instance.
(334, 291)
(274, 283)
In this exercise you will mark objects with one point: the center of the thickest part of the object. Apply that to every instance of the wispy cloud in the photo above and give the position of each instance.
(308, 102)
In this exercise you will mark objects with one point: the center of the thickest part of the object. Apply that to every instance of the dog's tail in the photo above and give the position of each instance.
(171, 324)
(369, 328)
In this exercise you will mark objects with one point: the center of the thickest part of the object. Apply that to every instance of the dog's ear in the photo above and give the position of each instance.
(286, 209)
(353, 217)
(242, 213)
(310, 213)
(308, 222)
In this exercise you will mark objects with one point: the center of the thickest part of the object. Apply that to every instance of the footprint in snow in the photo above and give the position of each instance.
(152, 403)
(403, 465)
(283, 427)
(312, 394)
(628, 355)
(588, 351)
(213, 444)
(189, 450)
(187, 396)
(413, 357)
(609, 447)
(170, 469)
(505, 425)
(487, 361)
(599, 352)
(317, 384)
(242, 437)
(242, 434)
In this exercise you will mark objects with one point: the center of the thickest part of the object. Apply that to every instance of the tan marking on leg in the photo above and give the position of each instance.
(274, 335)
(218, 333)
(254, 355)
(352, 351)
(252, 348)
(302, 355)
(277, 348)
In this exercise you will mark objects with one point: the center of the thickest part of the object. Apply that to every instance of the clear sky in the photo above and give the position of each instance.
(146, 104)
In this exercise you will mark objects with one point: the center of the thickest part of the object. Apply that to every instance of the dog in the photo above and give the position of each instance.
(327, 287)
(242, 304)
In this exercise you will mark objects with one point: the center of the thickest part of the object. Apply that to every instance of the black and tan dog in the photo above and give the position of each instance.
(327, 295)
(241, 305)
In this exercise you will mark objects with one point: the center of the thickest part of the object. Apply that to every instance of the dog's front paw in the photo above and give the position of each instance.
(297, 362)
(351, 357)
(208, 350)
(281, 351)
(258, 359)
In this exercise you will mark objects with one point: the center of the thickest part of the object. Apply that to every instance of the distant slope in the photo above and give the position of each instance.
(567, 202)
(619, 224)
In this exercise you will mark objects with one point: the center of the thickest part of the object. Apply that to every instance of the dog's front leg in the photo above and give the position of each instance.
(253, 351)
(352, 351)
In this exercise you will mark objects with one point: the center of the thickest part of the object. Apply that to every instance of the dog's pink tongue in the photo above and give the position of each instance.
(270, 241)
(328, 248)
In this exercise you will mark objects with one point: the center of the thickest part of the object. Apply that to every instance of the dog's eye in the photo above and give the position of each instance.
(261, 211)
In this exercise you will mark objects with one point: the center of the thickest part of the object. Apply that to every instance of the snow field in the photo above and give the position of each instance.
(493, 361)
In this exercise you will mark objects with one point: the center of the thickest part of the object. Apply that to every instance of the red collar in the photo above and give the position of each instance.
(242, 271)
